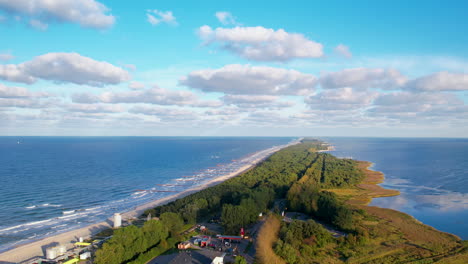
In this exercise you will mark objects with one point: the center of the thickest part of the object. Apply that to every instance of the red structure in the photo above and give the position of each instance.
(205, 240)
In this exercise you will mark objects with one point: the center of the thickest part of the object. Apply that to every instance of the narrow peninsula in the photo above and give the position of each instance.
(301, 205)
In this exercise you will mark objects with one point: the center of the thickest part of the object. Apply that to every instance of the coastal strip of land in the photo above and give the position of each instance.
(369, 188)
(37, 248)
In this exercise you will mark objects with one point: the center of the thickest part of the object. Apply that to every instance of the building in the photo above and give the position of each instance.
(183, 245)
(218, 260)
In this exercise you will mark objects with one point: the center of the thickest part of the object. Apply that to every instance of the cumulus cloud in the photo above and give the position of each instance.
(246, 79)
(440, 81)
(256, 101)
(85, 98)
(15, 73)
(155, 95)
(19, 92)
(225, 111)
(344, 51)
(86, 13)
(267, 118)
(406, 98)
(226, 18)
(413, 106)
(165, 114)
(6, 56)
(363, 78)
(341, 99)
(64, 67)
(23, 103)
(156, 17)
(94, 108)
(262, 44)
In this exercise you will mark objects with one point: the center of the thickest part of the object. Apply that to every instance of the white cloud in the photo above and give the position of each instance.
(15, 73)
(24, 103)
(155, 17)
(440, 81)
(225, 111)
(85, 98)
(410, 106)
(341, 99)
(246, 79)
(19, 92)
(155, 95)
(363, 78)
(225, 18)
(406, 98)
(6, 56)
(262, 44)
(64, 67)
(136, 85)
(267, 118)
(95, 108)
(344, 51)
(38, 24)
(165, 114)
(86, 13)
(256, 101)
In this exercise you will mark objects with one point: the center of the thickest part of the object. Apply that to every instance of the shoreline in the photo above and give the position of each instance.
(368, 189)
(37, 248)
(389, 193)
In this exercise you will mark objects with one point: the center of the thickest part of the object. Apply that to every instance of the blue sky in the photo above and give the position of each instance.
(214, 68)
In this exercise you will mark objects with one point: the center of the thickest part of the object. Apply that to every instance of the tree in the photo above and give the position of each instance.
(173, 222)
(240, 260)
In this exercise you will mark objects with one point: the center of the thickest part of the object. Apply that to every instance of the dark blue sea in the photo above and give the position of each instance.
(430, 173)
(50, 185)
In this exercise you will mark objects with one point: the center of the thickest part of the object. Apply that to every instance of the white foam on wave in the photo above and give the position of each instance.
(58, 226)
(23, 225)
(68, 212)
(52, 205)
(141, 194)
(30, 207)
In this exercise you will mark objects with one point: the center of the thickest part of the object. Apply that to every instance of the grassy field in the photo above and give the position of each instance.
(396, 237)
(362, 193)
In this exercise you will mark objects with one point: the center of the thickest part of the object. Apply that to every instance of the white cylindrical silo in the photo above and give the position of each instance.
(61, 249)
(117, 220)
(51, 253)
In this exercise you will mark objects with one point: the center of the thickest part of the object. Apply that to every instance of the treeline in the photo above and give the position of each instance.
(321, 204)
(242, 198)
(132, 244)
(296, 172)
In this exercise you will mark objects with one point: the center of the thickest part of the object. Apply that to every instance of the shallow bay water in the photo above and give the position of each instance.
(430, 173)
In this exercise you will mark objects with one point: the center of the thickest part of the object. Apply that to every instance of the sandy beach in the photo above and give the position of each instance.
(37, 248)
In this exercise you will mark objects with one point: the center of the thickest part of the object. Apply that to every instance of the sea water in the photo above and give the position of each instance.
(430, 173)
(50, 185)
